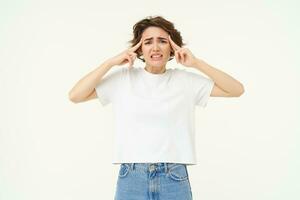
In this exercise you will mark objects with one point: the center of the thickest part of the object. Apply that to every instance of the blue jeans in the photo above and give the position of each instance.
(153, 181)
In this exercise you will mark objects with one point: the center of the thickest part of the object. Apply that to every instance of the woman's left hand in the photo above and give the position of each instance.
(183, 55)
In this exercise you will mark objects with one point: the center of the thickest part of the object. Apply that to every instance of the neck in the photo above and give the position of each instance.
(155, 70)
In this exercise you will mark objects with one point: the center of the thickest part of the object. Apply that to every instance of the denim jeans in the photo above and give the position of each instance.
(153, 181)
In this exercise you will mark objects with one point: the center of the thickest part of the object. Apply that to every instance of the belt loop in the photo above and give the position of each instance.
(166, 167)
(132, 166)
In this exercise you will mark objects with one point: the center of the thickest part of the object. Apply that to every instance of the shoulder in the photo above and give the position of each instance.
(114, 74)
(194, 75)
(116, 70)
(178, 72)
(186, 74)
(132, 70)
(120, 70)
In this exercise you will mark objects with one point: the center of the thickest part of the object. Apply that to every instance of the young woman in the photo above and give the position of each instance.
(154, 110)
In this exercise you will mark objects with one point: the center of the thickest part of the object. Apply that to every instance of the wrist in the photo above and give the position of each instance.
(199, 63)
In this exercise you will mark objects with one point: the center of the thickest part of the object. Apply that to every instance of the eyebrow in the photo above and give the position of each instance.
(157, 37)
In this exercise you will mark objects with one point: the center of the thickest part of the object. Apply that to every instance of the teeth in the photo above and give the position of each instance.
(156, 56)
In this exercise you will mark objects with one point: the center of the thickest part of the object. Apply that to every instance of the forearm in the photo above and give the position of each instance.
(85, 86)
(221, 79)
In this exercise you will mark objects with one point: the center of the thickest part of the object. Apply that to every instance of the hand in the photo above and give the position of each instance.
(127, 56)
(183, 55)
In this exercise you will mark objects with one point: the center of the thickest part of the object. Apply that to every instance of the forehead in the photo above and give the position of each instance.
(154, 32)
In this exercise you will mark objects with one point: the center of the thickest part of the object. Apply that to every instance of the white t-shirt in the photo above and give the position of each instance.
(154, 113)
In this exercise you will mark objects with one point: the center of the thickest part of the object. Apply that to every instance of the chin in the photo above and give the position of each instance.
(157, 64)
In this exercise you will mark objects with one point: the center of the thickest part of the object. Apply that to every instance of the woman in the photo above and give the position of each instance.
(154, 110)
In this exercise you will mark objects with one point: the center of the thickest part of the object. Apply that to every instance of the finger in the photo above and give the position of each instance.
(133, 57)
(130, 62)
(182, 55)
(132, 54)
(177, 56)
(172, 47)
(129, 59)
(173, 44)
(135, 47)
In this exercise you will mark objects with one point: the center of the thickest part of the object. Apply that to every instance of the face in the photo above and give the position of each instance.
(156, 48)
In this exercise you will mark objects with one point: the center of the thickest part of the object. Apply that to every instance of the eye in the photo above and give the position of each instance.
(162, 41)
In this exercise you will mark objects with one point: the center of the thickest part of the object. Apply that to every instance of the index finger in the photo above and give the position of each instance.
(173, 44)
(135, 47)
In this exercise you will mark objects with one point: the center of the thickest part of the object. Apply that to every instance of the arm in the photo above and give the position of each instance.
(225, 85)
(85, 87)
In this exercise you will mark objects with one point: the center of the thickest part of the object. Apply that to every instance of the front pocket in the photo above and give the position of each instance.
(178, 172)
(124, 169)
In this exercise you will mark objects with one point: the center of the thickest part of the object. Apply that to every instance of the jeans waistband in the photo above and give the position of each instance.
(159, 166)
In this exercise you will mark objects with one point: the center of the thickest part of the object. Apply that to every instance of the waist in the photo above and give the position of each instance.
(157, 166)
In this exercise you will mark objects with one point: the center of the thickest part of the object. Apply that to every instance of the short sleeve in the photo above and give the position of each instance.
(199, 87)
(109, 88)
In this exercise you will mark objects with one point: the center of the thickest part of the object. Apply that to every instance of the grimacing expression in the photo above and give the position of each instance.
(156, 48)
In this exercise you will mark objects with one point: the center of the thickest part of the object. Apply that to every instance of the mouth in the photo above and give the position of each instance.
(156, 56)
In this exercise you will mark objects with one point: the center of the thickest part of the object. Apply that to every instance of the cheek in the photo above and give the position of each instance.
(167, 46)
(145, 49)
(167, 49)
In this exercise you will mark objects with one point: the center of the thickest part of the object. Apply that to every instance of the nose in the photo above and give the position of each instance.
(155, 46)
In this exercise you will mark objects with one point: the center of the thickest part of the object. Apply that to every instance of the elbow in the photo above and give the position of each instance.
(240, 91)
(72, 98)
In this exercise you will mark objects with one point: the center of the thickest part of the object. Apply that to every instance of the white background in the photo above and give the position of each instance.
(50, 148)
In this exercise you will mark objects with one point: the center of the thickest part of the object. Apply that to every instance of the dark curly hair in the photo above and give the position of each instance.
(157, 21)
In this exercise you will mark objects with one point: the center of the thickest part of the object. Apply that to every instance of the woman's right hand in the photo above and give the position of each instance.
(127, 56)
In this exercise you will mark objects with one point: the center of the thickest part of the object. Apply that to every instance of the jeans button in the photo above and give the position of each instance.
(152, 167)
